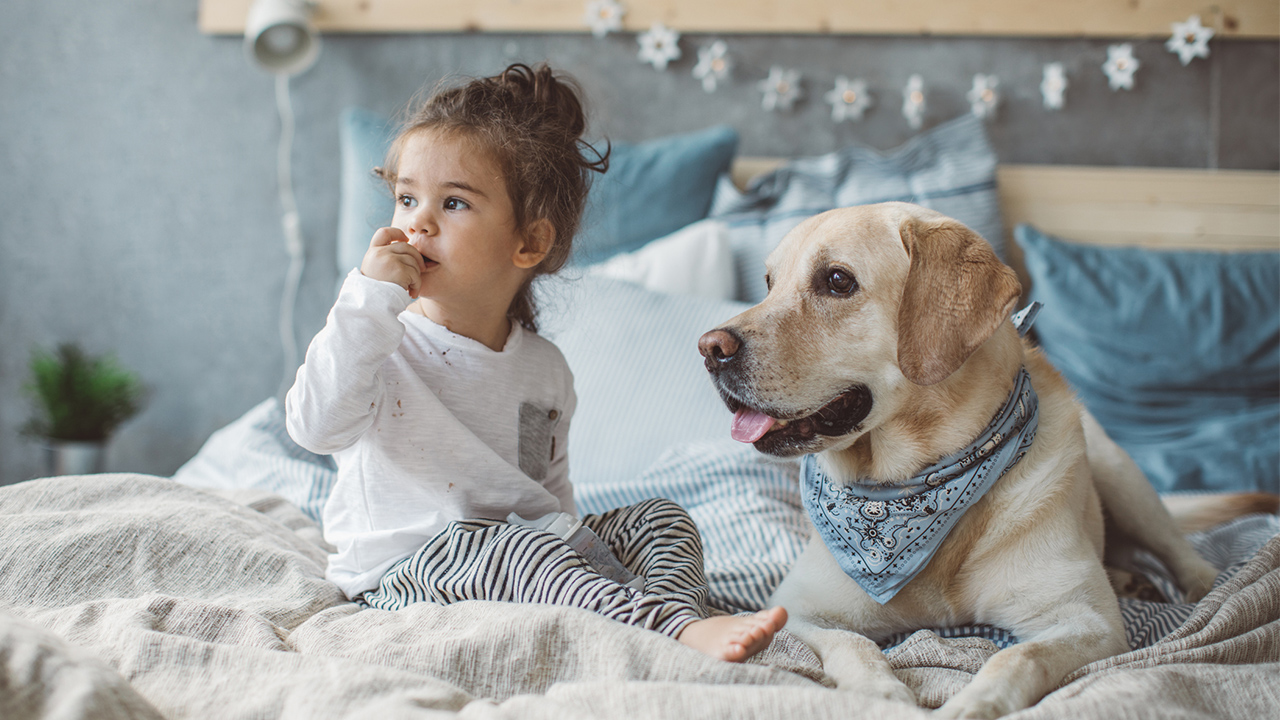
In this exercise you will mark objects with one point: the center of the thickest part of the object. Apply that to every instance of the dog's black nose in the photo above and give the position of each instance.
(719, 346)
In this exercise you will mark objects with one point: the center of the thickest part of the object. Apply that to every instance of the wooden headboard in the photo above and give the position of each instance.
(1165, 208)
(1228, 210)
(1080, 18)
(1182, 209)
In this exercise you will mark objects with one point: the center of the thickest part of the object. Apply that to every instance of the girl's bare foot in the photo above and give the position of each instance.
(734, 638)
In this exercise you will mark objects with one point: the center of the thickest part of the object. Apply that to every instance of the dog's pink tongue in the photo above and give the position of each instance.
(750, 425)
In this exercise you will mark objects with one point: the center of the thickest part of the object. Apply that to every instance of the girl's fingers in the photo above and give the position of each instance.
(387, 236)
(392, 258)
(414, 267)
(418, 260)
(409, 253)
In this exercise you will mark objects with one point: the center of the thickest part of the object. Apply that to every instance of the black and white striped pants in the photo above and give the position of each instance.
(491, 560)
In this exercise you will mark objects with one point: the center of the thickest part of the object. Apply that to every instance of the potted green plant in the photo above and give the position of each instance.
(80, 400)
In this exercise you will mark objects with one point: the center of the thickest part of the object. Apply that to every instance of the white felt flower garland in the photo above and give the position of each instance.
(851, 98)
(714, 65)
(781, 89)
(659, 46)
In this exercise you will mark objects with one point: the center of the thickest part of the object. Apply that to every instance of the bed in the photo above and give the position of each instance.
(202, 595)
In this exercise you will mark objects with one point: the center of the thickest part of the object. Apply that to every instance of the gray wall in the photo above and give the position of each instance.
(138, 208)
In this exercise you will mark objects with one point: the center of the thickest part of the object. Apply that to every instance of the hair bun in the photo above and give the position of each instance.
(552, 96)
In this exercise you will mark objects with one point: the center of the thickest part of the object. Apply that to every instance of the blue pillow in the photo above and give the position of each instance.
(950, 168)
(365, 204)
(651, 190)
(1176, 353)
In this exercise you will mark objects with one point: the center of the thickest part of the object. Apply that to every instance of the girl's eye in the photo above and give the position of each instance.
(841, 282)
(454, 203)
(407, 201)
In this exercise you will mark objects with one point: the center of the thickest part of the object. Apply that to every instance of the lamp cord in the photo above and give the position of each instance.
(292, 233)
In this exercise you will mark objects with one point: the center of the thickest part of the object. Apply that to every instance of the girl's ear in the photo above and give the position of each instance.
(538, 239)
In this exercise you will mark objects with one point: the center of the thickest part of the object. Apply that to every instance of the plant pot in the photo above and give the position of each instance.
(73, 457)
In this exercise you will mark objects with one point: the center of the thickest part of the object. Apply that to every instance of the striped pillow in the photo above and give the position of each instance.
(950, 168)
(255, 451)
(746, 506)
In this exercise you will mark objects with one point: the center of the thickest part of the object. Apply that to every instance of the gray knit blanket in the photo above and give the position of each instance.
(130, 596)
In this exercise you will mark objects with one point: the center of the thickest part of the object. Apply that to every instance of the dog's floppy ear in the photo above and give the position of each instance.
(957, 294)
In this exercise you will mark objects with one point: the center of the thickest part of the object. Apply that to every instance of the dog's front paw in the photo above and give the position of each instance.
(893, 691)
(899, 693)
(876, 685)
(1197, 580)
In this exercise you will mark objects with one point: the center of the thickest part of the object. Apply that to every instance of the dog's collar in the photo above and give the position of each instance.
(883, 536)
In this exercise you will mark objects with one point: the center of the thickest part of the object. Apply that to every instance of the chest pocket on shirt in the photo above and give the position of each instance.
(537, 439)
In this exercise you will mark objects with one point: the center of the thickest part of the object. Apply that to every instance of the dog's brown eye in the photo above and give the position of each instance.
(841, 282)
(768, 281)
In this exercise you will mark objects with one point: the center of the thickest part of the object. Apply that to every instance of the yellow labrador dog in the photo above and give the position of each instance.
(950, 473)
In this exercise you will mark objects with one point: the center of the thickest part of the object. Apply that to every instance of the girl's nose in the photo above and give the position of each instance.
(421, 223)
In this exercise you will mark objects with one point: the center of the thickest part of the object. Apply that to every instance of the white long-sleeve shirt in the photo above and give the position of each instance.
(426, 426)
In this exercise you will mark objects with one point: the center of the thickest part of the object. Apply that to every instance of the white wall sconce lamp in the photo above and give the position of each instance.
(279, 36)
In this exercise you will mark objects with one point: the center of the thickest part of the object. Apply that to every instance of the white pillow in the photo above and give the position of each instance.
(641, 384)
(694, 260)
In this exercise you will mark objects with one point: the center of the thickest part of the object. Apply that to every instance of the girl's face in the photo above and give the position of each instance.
(452, 203)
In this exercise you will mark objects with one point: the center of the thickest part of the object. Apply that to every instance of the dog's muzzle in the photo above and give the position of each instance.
(772, 430)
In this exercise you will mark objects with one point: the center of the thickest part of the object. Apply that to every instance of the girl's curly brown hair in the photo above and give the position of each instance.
(531, 120)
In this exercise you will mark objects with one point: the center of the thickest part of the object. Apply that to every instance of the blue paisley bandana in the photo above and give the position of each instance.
(882, 535)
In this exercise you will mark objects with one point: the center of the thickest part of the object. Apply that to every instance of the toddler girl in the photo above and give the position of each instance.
(444, 408)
